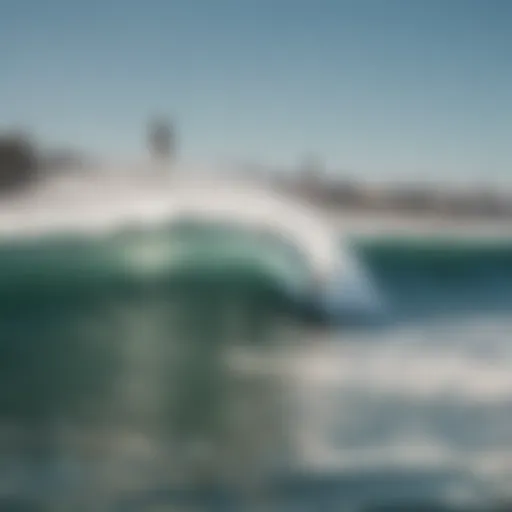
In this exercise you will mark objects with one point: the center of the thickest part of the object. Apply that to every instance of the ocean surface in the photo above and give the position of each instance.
(409, 408)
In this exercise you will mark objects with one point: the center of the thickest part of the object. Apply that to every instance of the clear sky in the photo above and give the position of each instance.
(379, 88)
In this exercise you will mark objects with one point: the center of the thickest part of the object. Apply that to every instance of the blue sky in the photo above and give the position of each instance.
(417, 89)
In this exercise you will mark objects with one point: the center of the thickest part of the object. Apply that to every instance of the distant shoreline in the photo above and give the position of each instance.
(419, 202)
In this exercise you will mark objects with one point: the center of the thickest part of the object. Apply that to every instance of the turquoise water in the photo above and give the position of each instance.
(412, 407)
(436, 277)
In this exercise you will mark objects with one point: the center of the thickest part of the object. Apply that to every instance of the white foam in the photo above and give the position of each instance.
(95, 205)
(424, 374)
(397, 364)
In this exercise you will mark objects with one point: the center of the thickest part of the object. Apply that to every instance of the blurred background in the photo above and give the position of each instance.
(390, 120)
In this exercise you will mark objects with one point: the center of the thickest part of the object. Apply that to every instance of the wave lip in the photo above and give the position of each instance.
(351, 295)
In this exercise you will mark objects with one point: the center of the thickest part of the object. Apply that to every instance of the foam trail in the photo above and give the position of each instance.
(413, 400)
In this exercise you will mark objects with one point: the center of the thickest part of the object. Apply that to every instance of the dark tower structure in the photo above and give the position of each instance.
(161, 140)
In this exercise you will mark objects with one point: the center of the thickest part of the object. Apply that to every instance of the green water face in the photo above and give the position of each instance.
(110, 340)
